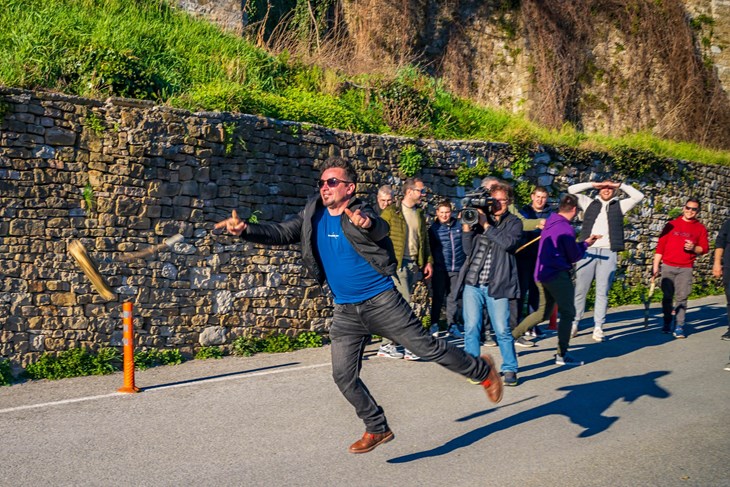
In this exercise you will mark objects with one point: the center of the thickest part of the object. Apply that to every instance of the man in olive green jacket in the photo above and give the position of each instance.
(409, 234)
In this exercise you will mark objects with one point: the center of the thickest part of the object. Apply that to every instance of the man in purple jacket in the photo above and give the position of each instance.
(557, 253)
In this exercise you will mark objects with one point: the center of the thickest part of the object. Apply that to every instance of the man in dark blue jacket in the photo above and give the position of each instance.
(527, 257)
(345, 243)
(448, 256)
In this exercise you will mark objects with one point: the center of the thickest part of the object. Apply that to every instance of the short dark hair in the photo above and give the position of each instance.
(444, 202)
(694, 199)
(410, 183)
(568, 202)
(342, 163)
(540, 189)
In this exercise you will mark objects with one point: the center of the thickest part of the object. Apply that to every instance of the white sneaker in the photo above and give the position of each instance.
(598, 335)
(574, 331)
(434, 331)
(389, 351)
(411, 356)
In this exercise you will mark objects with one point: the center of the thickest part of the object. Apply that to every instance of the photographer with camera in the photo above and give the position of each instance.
(489, 276)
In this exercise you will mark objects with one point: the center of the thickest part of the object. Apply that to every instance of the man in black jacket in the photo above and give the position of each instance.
(345, 243)
(489, 277)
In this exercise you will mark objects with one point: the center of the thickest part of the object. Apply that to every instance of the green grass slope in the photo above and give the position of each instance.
(147, 49)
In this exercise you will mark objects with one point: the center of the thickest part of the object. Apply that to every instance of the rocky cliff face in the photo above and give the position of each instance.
(602, 65)
(609, 66)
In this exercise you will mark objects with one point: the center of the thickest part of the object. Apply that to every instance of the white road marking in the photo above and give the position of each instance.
(160, 388)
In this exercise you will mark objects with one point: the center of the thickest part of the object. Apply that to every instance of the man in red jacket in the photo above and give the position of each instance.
(681, 241)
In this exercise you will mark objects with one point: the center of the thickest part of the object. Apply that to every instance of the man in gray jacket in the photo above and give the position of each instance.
(603, 215)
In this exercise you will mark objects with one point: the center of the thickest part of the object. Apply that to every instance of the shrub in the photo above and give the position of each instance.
(6, 374)
(144, 359)
(411, 161)
(279, 343)
(247, 346)
(308, 339)
(209, 352)
(74, 363)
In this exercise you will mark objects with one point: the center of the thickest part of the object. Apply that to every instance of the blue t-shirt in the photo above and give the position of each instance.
(350, 277)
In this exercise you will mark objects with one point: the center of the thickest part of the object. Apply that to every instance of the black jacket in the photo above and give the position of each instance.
(372, 244)
(502, 240)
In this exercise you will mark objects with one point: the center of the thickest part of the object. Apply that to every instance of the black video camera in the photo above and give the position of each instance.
(479, 199)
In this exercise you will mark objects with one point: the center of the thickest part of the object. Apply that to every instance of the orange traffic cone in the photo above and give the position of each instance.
(128, 342)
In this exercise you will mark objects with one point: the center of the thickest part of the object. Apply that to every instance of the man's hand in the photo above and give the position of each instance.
(483, 220)
(606, 184)
(233, 225)
(358, 218)
(689, 246)
(541, 223)
(592, 239)
(428, 271)
(717, 271)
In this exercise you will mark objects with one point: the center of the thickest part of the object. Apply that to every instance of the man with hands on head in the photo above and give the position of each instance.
(345, 243)
(603, 215)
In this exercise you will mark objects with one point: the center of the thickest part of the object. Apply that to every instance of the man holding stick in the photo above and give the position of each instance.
(345, 243)
(556, 254)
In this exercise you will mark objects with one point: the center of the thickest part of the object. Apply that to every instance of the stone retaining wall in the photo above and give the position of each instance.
(121, 175)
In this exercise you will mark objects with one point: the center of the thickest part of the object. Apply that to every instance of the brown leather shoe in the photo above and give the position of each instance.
(493, 384)
(370, 440)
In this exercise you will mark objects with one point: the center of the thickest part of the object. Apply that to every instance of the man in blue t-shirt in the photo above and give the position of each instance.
(345, 243)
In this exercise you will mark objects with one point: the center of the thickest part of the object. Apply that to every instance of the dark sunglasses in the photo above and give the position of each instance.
(692, 208)
(331, 182)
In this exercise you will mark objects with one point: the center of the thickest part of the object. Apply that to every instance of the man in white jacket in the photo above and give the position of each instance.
(603, 215)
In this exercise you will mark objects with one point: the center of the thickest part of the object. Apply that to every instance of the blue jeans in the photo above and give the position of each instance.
(474, 300)
(388, 315)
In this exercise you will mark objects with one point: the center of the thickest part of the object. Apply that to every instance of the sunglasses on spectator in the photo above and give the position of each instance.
(331, 182)
(692, 208)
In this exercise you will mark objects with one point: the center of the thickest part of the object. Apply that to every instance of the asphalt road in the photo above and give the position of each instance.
(645, 410)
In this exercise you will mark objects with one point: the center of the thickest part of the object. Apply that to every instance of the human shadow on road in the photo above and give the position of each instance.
(624, 337)
(219, 376)
(583, 405)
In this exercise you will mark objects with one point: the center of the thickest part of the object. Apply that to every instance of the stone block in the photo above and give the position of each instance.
(59, 136)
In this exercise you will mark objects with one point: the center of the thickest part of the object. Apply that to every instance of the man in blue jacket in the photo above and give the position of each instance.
(448, 256)
(345, 243)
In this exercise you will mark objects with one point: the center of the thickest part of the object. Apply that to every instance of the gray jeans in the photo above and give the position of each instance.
(388, 315)
(406, 278)
(601, 264)
(676, 285)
